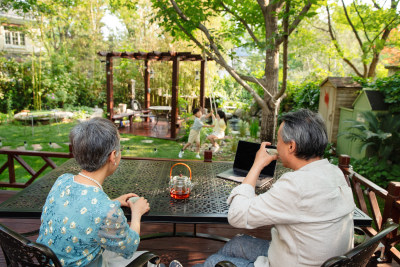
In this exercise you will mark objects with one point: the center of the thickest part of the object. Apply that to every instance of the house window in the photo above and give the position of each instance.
(8, 38)
(14, 38)
(22, 39)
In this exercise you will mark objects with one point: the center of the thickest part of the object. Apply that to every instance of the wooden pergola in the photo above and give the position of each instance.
(175, 57)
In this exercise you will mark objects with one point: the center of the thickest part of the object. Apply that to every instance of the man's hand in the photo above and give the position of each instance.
(262, 157)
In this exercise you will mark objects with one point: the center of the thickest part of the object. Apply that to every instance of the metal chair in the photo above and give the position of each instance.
(20, 251)
(357, 257)
(361, 255)
(138, 111)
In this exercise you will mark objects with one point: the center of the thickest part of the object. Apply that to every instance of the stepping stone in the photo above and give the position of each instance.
(37, 147)
(55, 145)
(5, 147)
(147, 141)
(124, 139)
(22, 148)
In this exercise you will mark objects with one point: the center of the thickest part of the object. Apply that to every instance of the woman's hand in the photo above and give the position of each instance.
(140, 207)
(124, 199)
(262, 157)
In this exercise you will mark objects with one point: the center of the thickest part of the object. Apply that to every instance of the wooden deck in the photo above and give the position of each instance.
(188, 251)
(161, 130)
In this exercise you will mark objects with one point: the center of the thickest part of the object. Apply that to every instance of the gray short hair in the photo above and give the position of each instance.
(92, 142)
(307, 129)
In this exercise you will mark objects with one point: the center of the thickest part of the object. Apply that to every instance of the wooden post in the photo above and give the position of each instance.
(344, 164)
(146, 84)
(391, 211)
(174, 99)
(202, 83)
(110, 89)
(11, 170)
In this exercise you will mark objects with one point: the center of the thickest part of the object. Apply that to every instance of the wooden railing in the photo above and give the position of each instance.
(16, 155)
(366, 194)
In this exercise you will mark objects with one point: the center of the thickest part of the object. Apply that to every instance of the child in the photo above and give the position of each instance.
(219, 129)
(194, 135)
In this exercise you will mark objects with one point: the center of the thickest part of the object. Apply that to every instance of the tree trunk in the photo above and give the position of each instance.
(270, 112)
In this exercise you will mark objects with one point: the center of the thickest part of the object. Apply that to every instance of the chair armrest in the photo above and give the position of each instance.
(31, 233)
(225, 264)
(143, 259)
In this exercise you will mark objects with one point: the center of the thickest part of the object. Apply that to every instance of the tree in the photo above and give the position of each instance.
(261, 25)
(371, 25)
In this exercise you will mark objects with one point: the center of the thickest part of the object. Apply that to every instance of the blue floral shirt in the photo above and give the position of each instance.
(79, 221)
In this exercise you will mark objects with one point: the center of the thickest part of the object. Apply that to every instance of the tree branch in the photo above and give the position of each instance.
(375, 59)
(249, 30)
(220, 60)
(362, 21)
(352, 26)
(285, 51)
(296, 21)
(338, 48)
(320, 28)
(376, 4)
(263, 5)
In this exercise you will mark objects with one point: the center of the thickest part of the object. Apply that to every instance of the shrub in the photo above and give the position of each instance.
(379, 135)
(243, 125)
(254, 127)
(390, 88)
(305, 95)
(379, 171)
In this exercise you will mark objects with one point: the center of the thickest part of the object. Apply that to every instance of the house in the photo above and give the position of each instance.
(14, 38)
(336, 92)
(368, 100)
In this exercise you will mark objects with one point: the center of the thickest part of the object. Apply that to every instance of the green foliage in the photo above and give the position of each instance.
(379, 135)
(390, 88)
(330, 154)
(234, 143)
(254, 127)
(304, 95)
(243, 126)
(375, 20)
(377, 170)
(15, 81)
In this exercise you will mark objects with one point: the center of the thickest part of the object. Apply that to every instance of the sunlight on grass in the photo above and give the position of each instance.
(15, 134)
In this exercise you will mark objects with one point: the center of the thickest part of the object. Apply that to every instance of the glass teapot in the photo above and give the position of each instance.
(180, 186)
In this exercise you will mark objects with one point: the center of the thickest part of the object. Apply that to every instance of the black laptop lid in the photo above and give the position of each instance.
(245, 155)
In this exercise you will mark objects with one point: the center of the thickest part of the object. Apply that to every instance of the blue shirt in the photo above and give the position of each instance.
(198, 123)
(79, 221)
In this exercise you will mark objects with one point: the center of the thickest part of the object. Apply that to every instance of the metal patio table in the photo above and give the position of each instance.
(150, 178)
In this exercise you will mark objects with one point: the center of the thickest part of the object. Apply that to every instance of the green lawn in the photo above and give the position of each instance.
(14, 135)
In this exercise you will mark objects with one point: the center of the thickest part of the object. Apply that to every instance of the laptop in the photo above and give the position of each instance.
(244, 158)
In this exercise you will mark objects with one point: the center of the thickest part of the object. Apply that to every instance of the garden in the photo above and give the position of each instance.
(146, 66)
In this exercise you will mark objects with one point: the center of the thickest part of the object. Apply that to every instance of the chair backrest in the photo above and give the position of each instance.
(20, 251)
(136, 105)
(360, 255)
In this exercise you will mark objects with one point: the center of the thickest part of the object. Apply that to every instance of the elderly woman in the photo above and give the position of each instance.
(80, 223)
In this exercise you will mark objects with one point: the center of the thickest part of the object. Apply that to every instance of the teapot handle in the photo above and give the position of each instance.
(180, 163)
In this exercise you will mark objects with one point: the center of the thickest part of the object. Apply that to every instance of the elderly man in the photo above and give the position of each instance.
(310, 208)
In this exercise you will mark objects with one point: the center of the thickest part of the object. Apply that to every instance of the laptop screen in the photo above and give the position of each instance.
(245, 155)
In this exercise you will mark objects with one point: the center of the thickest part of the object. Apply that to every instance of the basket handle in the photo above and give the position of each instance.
(180, 163)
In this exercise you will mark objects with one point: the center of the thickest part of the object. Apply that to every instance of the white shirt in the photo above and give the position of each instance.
(219, 127)
(311, 210)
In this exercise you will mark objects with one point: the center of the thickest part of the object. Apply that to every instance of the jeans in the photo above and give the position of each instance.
(242, 250)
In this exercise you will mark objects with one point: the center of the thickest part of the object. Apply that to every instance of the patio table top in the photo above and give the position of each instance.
(150, 179)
